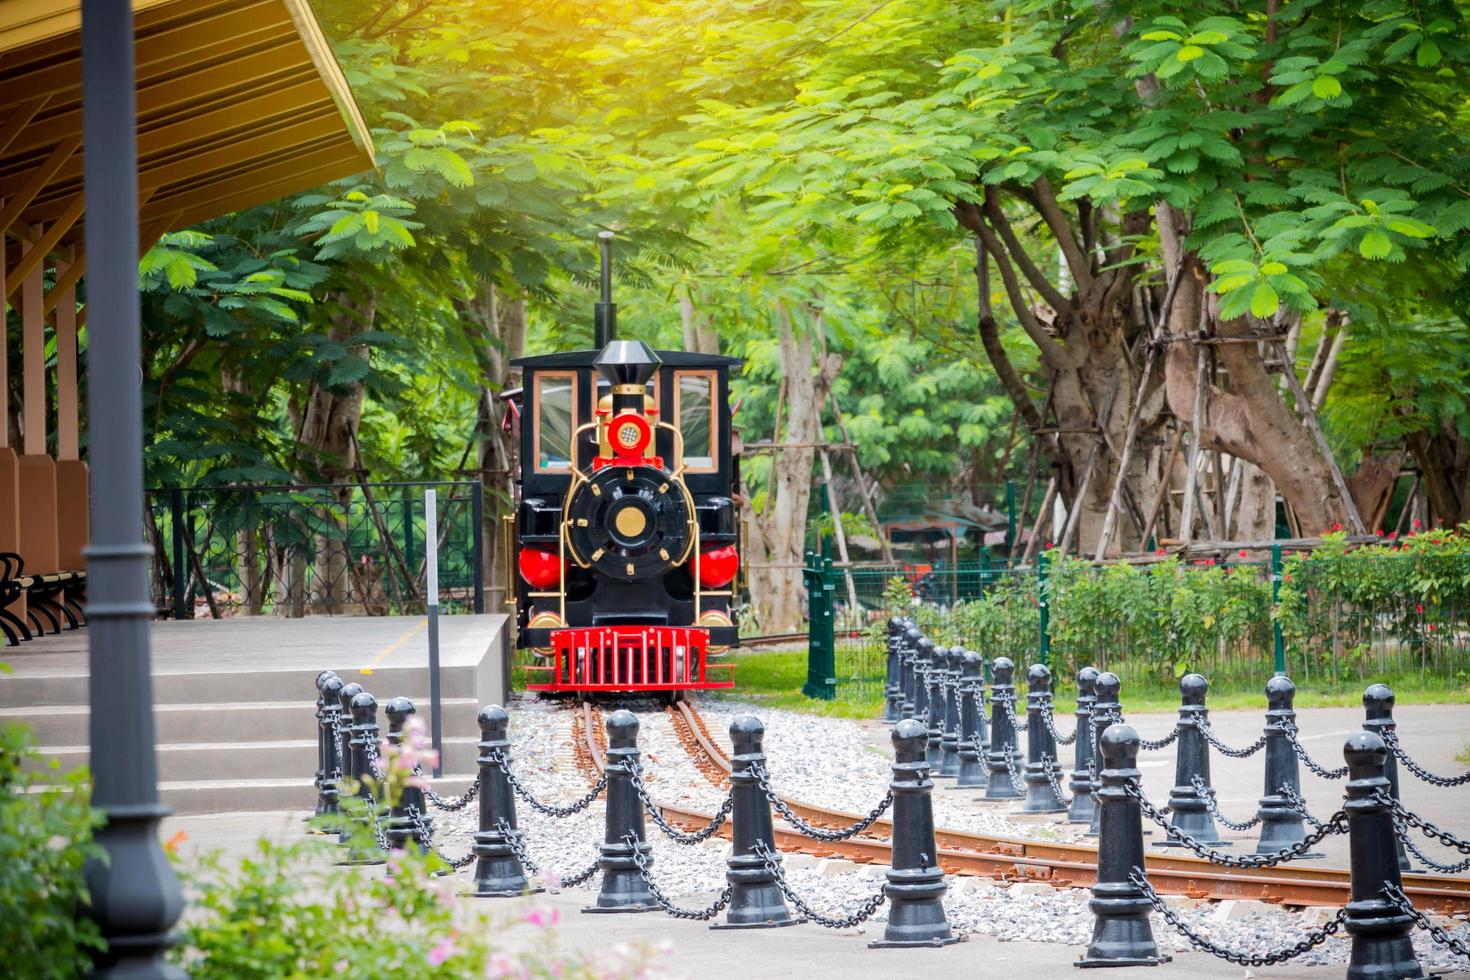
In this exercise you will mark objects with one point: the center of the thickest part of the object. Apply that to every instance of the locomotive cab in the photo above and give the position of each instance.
(627, 552)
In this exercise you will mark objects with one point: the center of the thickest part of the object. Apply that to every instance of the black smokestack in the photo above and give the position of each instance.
(605, 317)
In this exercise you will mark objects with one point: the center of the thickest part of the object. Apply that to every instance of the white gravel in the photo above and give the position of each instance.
(835, 762)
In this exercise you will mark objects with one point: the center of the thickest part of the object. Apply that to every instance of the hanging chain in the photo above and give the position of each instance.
(517, 842)
(1295, 802)
(1053, 776)
(1391, 738)
(1428, 829)
(337, 729)
(1250, 750)
(1396, 895)
(773, 868)
(426, 835)
(556, 812)
(1207, 797)
(1290, 731)
(1008, 753)
(1051, 726)
(1336, 825)
(1314, 937)
(763, 780)
(1401, 827)
(1008, 704)
(658, 896)
(449, 804)
(674, 833)
(1154, 745)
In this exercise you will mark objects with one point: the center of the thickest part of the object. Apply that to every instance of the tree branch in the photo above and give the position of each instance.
(1051, 211)
(1052, 352)
(1010, 379)
(1033, 275)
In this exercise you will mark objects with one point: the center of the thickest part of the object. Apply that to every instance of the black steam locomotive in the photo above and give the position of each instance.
(627, 541)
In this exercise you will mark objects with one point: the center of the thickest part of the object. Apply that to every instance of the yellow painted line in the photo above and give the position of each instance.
(383, 654)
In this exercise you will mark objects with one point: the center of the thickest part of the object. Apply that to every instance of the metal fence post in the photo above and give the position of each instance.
(821, 667)
(1278, 643)
(408, 561)
(477, 543)
(1045, 643)
(1010, 517)
(181, 572)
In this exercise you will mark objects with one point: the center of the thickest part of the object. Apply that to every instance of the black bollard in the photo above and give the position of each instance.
(1106, 710)
(972, 764)
(1190, 814)
(408, 820)
(1083, 805)
(1382, 948)
(923, 660)
(1042, 771)
(893, 687)
(498, 871)
(1121, 933)
(1003, 755)
(915, 881)
(1281, 824)
(323, 771)
(1378, 701)
(328, 812)
(349, 761)
(938, 673)
(623, 888)
(364, 743)
(949, 742)
(910, 664)
(756, 901)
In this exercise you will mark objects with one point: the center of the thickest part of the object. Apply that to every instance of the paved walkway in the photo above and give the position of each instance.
(806, 951)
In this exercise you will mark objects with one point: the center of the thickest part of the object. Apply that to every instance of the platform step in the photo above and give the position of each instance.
(227, 795)
(211, 687)
(189, 761)
(230, 722)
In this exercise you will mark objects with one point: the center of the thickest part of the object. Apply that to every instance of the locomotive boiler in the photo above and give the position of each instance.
(627, 544)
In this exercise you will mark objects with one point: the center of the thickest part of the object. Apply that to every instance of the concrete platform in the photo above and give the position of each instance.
(234, 698)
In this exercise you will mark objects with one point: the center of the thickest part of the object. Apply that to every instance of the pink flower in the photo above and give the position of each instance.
(502, 966)
(442, 951)
(543, 917)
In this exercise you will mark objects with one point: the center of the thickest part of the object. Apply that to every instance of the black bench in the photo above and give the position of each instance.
(53, 600)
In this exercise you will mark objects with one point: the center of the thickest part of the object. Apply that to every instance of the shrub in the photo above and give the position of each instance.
(46, 825)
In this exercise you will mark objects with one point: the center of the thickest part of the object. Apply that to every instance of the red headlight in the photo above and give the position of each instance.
(540, 569)
(718, 566)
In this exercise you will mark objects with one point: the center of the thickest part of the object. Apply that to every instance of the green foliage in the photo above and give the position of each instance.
(46, 825)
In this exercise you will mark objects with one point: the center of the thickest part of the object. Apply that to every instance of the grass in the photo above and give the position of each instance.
(775, 678)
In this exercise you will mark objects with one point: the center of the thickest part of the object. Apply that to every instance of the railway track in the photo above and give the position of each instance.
(772, 640)
(1063, 865)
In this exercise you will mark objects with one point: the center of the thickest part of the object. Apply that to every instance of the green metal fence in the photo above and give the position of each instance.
(1330, 622)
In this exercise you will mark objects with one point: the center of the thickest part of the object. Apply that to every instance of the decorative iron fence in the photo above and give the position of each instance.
(328, 549)
(1331, 621)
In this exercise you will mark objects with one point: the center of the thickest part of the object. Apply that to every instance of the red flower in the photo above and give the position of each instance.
(1418, 524)
(1049, 544)
(1159, 552)
(1337, 527)
(1379, 532)
(1287, 577)
(1419, 608)
(1242, 552)
(1209, 561)
(1393, 535)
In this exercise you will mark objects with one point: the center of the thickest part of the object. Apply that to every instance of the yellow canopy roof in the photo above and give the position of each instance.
(239, 102)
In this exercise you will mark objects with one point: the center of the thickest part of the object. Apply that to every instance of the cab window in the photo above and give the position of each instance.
(555, 405)
(694, 397)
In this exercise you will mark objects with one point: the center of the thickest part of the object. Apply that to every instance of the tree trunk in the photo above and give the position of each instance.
(497, 328)
(1443, 456)
(699, 332)
(780, 528)
(327, 429)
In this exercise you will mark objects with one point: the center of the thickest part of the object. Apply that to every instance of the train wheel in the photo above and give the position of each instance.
(674, 697)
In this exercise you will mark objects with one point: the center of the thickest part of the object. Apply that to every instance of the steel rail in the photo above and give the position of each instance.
(1065, 864)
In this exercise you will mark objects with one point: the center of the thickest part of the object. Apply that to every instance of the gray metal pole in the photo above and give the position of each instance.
(431, 564)
(135, 896)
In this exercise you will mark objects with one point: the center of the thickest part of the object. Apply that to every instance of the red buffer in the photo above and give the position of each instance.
(631, 658)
